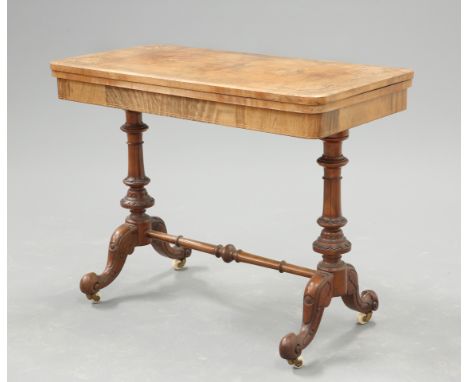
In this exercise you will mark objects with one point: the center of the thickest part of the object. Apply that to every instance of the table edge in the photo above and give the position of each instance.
(60, 67)
(237, 100)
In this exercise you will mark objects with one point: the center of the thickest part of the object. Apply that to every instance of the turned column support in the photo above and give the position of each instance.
(332, 278)
(137, 199)
(332, 243)
(133, 232)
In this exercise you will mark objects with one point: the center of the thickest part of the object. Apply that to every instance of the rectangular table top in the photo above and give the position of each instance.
(304, 98)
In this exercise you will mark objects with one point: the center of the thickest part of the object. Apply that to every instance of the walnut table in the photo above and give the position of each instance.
(295, 97)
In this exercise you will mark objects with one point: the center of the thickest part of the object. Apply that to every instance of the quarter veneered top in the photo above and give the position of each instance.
(255, 76)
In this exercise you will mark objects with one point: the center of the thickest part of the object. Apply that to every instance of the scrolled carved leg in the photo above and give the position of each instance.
(317, 296)
(365, 302)
(122, 244)
(178, 254)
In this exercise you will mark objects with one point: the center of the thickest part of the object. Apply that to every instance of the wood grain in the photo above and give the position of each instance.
(302, 125)
(296, 97)
(300, 98)
(236, 100)
(254, 76)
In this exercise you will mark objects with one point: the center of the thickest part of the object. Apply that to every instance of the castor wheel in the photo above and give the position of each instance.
(178, 264)
(94, 297)
(296, 363)
(363, 318)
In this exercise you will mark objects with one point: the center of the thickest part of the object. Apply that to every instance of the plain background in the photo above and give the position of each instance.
(215, 321)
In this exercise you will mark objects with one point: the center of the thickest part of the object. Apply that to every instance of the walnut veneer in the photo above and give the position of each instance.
(300, 98)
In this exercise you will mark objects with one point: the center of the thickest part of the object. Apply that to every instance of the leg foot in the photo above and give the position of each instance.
(178, 254)
(296, 363)
(363, 318)
(317, 297)
(122, 243)
(365, 303)
(178, 264)
(95, 298)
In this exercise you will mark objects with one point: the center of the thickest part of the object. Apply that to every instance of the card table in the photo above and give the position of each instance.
(288, 96)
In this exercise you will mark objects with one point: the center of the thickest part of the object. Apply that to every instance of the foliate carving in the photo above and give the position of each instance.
(164, 248)
(317, 296)
(365, 302)
(122, 244)
(137, 199)
(332, 243)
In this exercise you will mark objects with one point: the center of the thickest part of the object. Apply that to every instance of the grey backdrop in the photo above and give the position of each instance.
(215, 321)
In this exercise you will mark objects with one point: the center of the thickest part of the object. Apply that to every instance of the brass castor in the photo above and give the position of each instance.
(94, 297)
(178, 264)
(296, 363)
(364, 318)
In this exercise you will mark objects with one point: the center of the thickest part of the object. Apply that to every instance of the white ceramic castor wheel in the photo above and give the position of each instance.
(95, 298)
(178, 264)
(297, 363)
(364, 318)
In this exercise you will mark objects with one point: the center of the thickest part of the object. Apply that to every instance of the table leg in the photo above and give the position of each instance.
(335, 277)
(365, 303)
(121, 245)
(177, 253)
(133, 232)
(317, 296)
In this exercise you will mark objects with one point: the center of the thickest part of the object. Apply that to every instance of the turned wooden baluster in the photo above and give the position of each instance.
(137, 199)
(335, 277)
(317, 296)
(134, 231)
(332, 243)
(331, 281)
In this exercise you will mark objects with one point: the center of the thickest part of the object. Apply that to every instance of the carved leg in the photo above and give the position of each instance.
(178, 254)
(133, 232)
(365, 303)
(317, 297)
(122, 243)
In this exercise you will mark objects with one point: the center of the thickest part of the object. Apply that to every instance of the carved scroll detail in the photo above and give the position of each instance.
(317, 296)
(365, 302)
(122, 244)
(164, 248)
